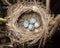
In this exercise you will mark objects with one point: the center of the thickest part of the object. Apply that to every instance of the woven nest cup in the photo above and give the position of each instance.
(23, 12)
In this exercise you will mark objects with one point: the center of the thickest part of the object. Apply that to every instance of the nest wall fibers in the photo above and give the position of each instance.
(22, 35)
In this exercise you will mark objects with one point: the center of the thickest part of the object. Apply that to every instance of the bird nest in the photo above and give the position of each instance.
(21, 12)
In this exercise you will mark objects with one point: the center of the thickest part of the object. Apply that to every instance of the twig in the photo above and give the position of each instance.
(56, 23)
(6, 1)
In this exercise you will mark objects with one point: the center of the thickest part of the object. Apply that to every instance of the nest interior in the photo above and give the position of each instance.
(27, 16)
(16, 18)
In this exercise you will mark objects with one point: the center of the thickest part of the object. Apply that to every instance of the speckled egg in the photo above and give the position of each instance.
(26, 23)
(37, 24)
(31, 27)
(32, 20)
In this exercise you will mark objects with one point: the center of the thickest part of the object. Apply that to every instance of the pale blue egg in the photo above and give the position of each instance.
(37, 24)
(32, 20)
(26, 23)
(31, 27)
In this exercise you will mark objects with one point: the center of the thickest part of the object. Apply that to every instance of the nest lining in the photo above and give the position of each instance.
(22, 12)
(27, 16)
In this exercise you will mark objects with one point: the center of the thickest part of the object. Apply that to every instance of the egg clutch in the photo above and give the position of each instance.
(31, 24)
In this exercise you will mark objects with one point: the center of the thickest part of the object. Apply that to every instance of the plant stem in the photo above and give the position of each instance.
(3, 20)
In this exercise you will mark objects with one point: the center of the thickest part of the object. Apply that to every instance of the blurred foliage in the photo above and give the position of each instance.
(19, 0)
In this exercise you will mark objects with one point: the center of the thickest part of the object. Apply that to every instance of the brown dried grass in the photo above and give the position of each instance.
(25, 11)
